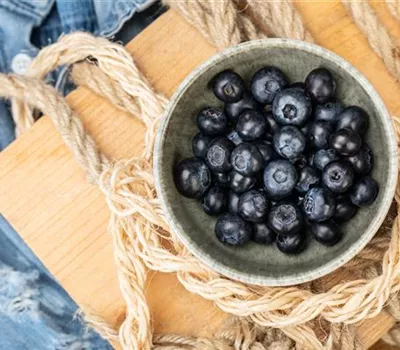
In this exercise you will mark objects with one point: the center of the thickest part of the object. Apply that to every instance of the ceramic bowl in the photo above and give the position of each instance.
(252, 263)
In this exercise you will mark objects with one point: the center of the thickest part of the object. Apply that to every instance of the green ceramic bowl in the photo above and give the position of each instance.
(252, 263)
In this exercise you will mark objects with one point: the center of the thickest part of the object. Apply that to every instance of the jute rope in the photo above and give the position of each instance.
(279, 19)
(378, 37)
(220, 22)
(138, 226)
(394, 7)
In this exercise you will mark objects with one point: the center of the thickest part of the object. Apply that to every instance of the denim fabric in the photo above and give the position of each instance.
(35, 312)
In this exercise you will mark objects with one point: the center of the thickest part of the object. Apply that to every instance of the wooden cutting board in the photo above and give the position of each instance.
(45, 196)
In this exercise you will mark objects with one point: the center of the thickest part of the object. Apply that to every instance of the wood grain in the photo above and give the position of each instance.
(46, 198)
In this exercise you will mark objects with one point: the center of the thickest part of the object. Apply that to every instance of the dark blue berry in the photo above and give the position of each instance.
(219, 155)
(266, 82)
(262, 234)
(319, 204)
(233, 230)
(345, 210)
(354, 118)
(200, 145)
(235, 138)
(289, 142)
(364, 192)
(280, 177)
(212, 121)
(272, 125)
(345, 142)
(246, 159)
(338, 176)
(235, 109)
(251, 125)
(328, 112)
(285, 218)
(215, 200)
(233, 201)
(192, 178)
(321, 85)
(253, 206)
(323, 157)
(266, 150)
(318, 134)
(362, 161)
(308, 178)
(327, 233)
(228, 86)
(291, 244)
(240, 183)
(221, 179)
(291, 107)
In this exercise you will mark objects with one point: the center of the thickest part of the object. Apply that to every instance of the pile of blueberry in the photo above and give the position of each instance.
(279, 160)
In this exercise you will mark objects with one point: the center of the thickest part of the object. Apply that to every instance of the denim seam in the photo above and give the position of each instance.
(122, 20)
(28, 11)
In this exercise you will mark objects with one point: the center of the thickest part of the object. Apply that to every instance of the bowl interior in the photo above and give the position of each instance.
(256, 263)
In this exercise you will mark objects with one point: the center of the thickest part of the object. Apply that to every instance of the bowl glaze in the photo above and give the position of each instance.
(252, 263)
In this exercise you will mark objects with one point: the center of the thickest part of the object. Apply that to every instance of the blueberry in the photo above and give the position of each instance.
(354, 118)
(262, 234)
(338, 176)
(200, 145)
(308, 178)
(272, 125)
(291, 244)
(219, 155)
(240, 183)
(321, 85)
(221, 179)
(364, 192)
(345, 142)
(327, 233)
(266, 150)
(192, 178)
(285, 219)
(319, 204)
(266, 82)
(328, 112)
(233, 201)
(228, 86)
(215, 200)
(235, 138)
(212, 121)
(253, 206)
(362, 161)
(291, 107)
(233, 230)
(289, 142)
(251, 125)
(345, 210)
(280, 177)
(318, 134)
(323, 157)
(235, 109)
(246, 159)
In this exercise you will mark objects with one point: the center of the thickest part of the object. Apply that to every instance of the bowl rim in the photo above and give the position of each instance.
(341, 259)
